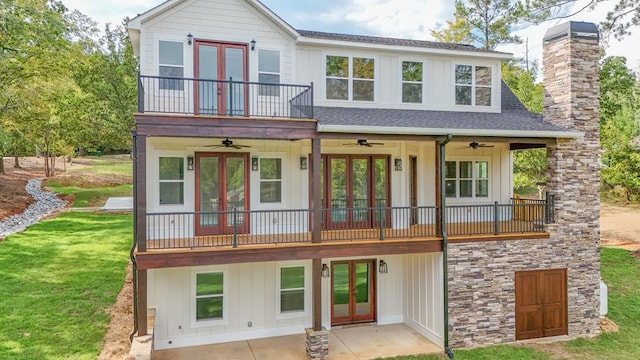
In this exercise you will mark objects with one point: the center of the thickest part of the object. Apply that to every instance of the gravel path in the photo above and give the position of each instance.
(44, 204)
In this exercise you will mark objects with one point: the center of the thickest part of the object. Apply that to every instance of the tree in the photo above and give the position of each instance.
(457, 31)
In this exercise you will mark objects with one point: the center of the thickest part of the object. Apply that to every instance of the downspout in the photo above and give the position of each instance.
(443, 229)
(134, 153)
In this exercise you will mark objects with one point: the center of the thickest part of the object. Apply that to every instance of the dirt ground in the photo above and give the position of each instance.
(619, 227)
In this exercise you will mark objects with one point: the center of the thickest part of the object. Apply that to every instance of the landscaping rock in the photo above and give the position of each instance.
(45, 203)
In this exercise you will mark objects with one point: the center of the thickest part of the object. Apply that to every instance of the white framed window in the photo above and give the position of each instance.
(170, 64)
(350, 78)
(473, 85)
(171, 180)
(270, 180)
(467, 179)
(209, 298)
(412, 79)
(292, 282)
(269, 72)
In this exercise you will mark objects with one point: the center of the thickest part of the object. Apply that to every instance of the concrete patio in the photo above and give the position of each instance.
(351, 343)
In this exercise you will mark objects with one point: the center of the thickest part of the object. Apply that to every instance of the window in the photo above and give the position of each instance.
(292, 281)
(350, 78)
(171, 65)
(412, 82)
(171, 178)
(467, 179)
(209, 296)
(473, 85)
(270, 180)
(269, 72)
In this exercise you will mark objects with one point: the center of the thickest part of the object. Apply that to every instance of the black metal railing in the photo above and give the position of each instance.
(190, 96)
(255, 227)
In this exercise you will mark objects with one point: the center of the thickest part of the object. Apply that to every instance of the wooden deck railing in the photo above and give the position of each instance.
(263, 227)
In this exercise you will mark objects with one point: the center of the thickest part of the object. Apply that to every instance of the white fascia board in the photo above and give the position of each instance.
(274, 17)
(134, 37)
(454, 132)
(361, 45)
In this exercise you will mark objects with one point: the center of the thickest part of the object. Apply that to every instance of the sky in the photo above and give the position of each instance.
(412, 19)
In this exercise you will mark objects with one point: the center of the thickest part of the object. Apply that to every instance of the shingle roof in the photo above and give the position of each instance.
(513, 117)
(393, 41)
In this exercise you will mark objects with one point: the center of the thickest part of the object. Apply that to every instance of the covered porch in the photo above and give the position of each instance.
(349, 343)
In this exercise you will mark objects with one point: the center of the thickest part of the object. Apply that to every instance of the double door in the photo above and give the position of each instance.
(352, 291)
(541, 303)
(222, 193)
(216, 64)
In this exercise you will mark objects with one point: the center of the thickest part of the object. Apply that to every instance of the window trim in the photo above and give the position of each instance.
(350, 77)
(474, 179)
(307, 290)
(421, 82)
(160, 64)
(225, 297)
(281, 180)
(184, 175)
(474, 86)
(279, 73)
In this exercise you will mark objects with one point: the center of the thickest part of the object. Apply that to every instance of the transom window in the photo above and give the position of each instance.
(209, 296)
(350, 78)
(412, 82)
(269, 72)
(171, 178)
(171, 64)
(270, 180)
(292, 281)
(467, 179)
(473, 85)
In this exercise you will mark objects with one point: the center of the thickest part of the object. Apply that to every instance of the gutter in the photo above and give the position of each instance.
(396, 130)
(135, 241)
(443, 229)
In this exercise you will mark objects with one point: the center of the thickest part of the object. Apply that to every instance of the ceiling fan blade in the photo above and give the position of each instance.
(485, 146)
(376, 143)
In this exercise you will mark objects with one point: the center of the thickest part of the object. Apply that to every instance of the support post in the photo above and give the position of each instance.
(142, 302)
(317, 294)
(439, 209)
(316, 205)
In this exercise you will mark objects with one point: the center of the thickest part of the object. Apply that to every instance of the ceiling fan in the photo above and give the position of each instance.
(364, 142)
(226, 143)
(474, 145)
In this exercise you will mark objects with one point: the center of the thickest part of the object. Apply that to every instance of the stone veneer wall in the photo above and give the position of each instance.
(481, 275)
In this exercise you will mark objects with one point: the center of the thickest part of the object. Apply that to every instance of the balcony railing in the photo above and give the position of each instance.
(157, 94)
(257, 227)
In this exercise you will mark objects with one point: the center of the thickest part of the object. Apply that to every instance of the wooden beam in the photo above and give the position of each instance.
(305, 251)
(316, 205)
(140, 191)
(438, 188)
(317, 294)
(523, 146)
(141, 293)
(482, 238)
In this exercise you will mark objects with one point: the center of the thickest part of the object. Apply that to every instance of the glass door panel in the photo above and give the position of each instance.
(341, 292)
(338, 191)
(234, 69)
(359, 192)
(209, 190)
(380, 189)
(235, 186)
(352, 291)
(363, 290)
(207, 69)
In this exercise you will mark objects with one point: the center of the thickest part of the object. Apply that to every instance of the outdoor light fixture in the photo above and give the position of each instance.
(383, 269)
(325, 271)
(303, 163)
(397, 162)
(254, 164)
(189, 38)
(253, 44)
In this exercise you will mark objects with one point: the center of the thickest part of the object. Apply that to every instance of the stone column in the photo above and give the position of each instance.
(571, 100)
(317, 344)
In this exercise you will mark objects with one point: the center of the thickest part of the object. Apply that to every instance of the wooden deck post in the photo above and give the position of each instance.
(317, 294)
(142, 302)
(140, 224)
(439, 210)
(316, 204)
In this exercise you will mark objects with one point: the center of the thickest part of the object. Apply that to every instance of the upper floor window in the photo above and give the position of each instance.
(171, 176)
(467, 179)
(270, 180)
(412, 82)
(269, 72)
(171, 64)
(350, 78)
(473, 85)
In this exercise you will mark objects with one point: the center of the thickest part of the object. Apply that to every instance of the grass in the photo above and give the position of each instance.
(59, 279)
(621, 273)
(90, 196)
(121, 165)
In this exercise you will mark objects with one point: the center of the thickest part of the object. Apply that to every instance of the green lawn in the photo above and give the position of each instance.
(621, 273)
(121, 165)
(90, 196)
(59, 279)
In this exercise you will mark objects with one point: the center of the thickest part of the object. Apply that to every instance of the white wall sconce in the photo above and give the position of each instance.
(324, 273)
(253, 44)
(383, 268)
(189, 38)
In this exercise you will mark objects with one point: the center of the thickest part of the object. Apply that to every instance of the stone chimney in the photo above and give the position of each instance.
(572, 101)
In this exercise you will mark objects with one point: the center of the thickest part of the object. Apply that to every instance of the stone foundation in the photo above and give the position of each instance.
(317, 344)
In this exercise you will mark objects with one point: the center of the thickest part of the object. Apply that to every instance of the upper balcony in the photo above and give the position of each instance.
(224, 98)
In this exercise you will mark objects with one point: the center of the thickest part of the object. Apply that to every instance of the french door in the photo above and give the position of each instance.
(353, 291)
(353, 186)
(220, 61)
(222, 186)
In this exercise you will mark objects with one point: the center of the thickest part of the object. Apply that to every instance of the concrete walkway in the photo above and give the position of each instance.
(118, 204)
(353, 343)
